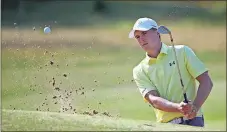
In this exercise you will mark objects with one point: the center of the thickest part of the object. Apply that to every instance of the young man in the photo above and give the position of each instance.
(158, 80)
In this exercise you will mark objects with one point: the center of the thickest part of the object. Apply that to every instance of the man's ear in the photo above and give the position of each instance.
(159, 34)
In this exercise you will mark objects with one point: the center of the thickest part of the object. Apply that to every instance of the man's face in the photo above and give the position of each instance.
(148, 40)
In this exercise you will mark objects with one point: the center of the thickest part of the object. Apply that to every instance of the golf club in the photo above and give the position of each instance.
(164, 30)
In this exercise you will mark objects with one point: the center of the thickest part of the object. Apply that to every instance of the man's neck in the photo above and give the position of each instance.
(154, 53)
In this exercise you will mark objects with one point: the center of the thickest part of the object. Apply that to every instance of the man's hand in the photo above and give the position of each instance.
(192, 113)
(185, 108)
(188, 109)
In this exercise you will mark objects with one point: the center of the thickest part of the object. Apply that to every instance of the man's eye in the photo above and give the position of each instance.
(137, 37)
(144, 33)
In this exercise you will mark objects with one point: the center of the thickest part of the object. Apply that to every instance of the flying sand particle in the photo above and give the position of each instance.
(95, 112)
(58, 89)
(65, 75)
(51, 62)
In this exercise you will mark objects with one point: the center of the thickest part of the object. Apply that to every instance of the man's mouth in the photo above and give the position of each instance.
(144, 44)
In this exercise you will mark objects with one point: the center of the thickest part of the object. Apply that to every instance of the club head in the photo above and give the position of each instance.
(163, 30)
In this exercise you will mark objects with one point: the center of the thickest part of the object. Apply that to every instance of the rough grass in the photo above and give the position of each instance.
(200, 38)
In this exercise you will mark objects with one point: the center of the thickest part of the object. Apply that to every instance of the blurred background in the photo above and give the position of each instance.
(85, 64)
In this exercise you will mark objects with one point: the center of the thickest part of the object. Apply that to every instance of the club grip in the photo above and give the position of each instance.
(185, 98)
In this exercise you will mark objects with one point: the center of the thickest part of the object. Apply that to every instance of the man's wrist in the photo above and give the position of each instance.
(177, 107)
(195, 108)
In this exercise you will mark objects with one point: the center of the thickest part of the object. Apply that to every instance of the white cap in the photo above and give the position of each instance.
(143, 24)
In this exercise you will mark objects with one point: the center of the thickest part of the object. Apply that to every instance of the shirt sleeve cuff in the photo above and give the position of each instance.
(201, 72)
(145, 91)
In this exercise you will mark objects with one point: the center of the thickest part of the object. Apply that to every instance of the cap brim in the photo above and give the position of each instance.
(131, 34)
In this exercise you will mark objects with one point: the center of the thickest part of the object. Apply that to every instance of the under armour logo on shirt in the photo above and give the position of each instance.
(170, 64)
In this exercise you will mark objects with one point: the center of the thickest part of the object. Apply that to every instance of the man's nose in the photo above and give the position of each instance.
(142, 39)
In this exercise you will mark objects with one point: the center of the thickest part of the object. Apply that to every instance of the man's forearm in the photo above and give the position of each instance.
(163, 104)
(202, 94)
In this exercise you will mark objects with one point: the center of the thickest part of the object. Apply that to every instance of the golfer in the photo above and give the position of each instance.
(158, 81)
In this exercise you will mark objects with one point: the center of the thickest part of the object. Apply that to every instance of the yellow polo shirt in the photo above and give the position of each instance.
(161, 74)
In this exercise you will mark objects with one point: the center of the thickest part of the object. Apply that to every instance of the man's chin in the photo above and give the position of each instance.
(146, 48)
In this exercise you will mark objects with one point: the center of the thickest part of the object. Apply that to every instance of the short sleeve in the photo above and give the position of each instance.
(142, 81)
(194, 65)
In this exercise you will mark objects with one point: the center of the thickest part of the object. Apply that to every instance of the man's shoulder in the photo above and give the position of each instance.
(180, 48)
(139, 66)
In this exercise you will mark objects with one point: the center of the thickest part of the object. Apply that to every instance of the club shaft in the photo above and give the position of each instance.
(178, 68)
